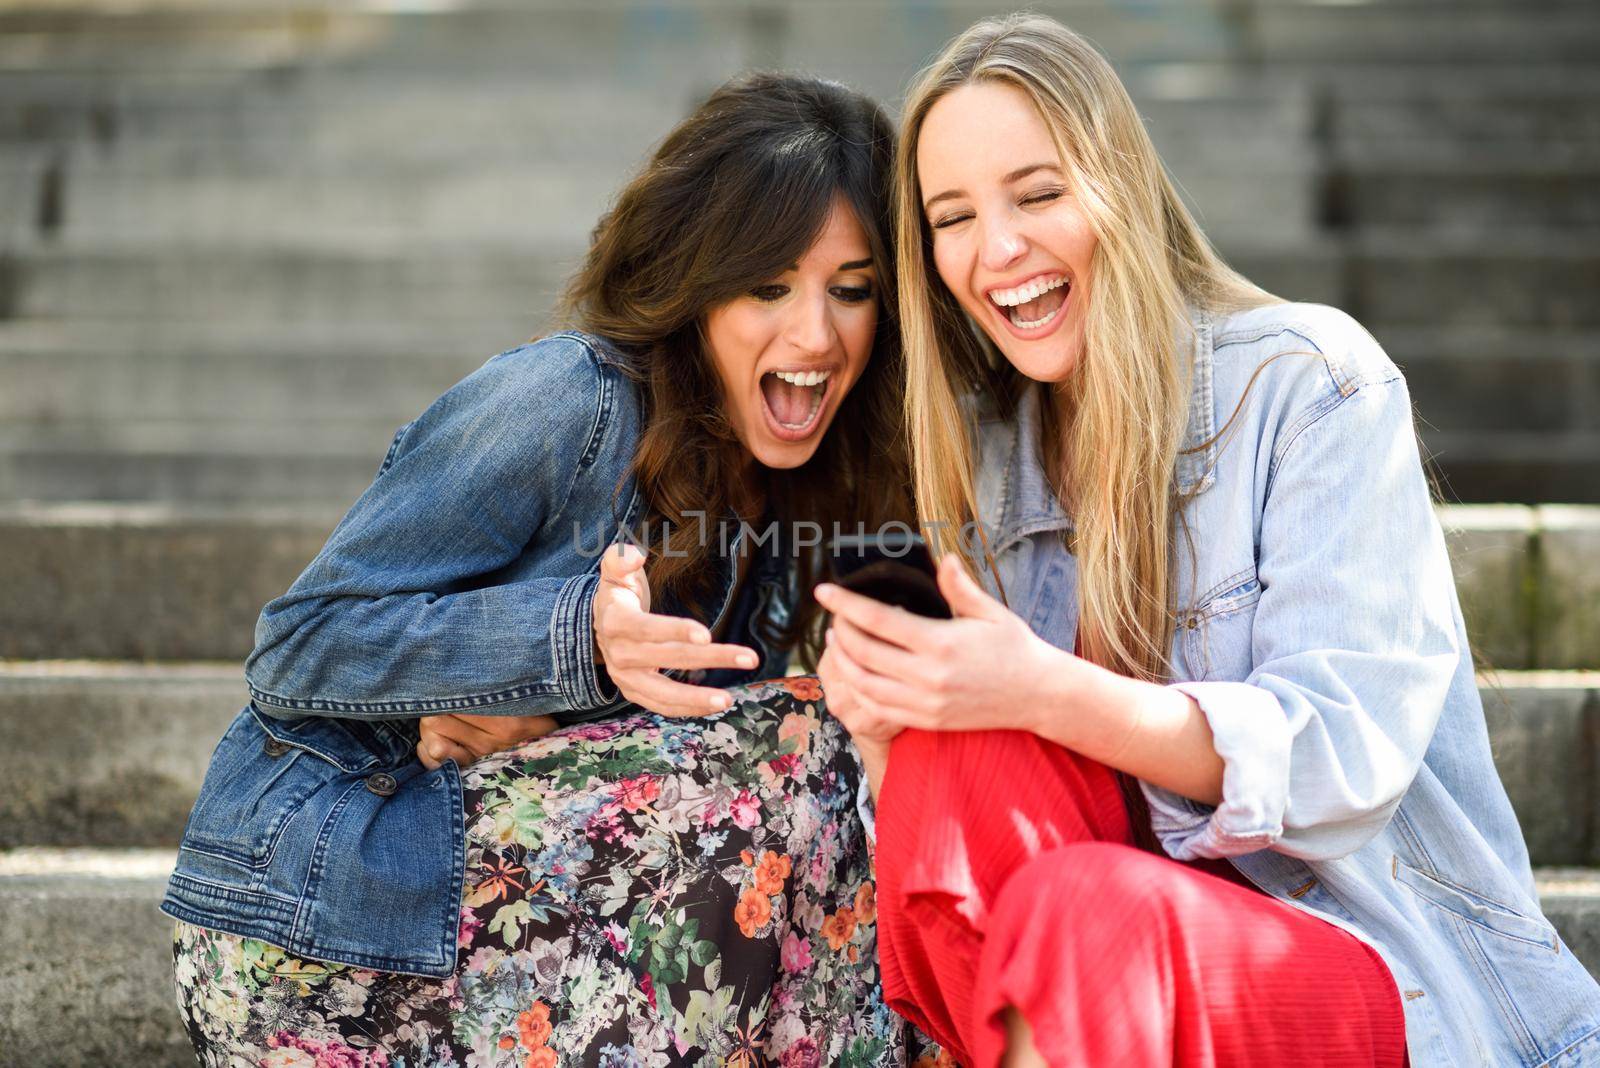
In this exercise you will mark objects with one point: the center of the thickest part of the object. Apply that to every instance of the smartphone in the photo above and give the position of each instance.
(894, 567)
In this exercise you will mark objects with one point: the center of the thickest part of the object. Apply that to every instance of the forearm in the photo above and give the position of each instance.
(1152, 732)
(874, 762)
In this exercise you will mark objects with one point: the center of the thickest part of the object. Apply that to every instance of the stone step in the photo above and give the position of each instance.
(264, 465)
(95, 986)
(185, 582)
(1530, 277)
(1445, 116)
(1519, 467)
(1490, 379)
(1539, 280)
(146, 582)
(1529, 583)
(108, 753)
(551, 201)
(213, 37)
(1421, 31)
(269, 286)
(128, 744)
(294, 462)
(1477, 197)
(212, 373)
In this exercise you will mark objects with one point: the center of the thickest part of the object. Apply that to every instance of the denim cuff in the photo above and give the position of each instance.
(1251, 736)
(572, 647)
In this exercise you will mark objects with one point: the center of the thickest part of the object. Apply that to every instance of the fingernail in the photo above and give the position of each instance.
(700, 637)
(719, 702)
(748, 661)
(827, 636)
(824, 592)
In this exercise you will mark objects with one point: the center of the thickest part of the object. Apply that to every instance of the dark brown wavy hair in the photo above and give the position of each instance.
(733, 196)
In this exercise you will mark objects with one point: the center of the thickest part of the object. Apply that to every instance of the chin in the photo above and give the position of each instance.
(784, 456)
(1041, 366)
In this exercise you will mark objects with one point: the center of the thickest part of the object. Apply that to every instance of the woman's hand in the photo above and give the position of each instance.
(892, 669)
(635, 645)
(466, 738)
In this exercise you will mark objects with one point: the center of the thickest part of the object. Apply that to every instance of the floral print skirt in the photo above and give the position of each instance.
(640, 891)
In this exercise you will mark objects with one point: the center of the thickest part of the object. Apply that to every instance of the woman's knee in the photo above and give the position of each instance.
(1087, 885)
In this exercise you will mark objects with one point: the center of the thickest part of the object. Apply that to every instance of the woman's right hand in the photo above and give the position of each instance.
(635, 644)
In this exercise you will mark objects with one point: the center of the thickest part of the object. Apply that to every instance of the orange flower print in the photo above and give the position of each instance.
(839, 928)
(866, 904)
(752, 912)
(852, 954)
(771, 872)
(747, 857)
(506, 1042)
(797, 727)
(533, 1025)
(803, 687)
(543, 1057)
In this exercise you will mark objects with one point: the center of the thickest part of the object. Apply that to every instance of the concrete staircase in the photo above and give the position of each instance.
(242, 241)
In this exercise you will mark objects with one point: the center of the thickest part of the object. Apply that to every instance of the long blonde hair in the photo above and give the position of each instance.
(1113, 434)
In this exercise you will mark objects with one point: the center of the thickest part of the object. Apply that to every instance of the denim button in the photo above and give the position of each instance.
(382, 784)
(274, 748)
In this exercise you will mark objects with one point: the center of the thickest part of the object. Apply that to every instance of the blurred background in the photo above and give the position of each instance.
(242, 241)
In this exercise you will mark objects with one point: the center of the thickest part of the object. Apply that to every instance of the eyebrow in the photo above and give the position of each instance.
(1015, 176)
(850, 265)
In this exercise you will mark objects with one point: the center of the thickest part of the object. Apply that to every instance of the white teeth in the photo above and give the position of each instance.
(1010, 298)
(803, 378)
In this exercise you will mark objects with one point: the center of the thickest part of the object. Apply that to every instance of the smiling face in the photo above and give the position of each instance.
(788, 351)
(1010, 241)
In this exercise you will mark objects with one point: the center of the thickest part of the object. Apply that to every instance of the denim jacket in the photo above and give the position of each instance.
(461, 580)
(1319, 632)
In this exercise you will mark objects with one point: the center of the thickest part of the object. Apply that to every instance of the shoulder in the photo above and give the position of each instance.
(1320, 346)
(1284, 366)
(571, 358)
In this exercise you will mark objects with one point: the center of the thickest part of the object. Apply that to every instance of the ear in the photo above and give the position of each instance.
(966, 598)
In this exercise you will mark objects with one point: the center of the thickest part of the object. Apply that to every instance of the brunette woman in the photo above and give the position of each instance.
(643, 886)
(1215, 576)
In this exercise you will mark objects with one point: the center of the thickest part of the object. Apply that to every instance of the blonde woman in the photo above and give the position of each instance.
(1214, 578)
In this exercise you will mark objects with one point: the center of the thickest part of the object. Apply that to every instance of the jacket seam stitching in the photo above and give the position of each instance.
(431, 704)
(597, 429)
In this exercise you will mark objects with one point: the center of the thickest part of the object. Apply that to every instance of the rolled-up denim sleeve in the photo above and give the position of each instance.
(401, 612)
(1354, 645)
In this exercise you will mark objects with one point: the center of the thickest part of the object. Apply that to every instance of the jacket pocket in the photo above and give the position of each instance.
(256, 784)
(1216, 634)
(1474, 908)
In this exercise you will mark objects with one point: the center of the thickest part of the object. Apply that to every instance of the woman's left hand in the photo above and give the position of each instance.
(464, 738)
(982, 670)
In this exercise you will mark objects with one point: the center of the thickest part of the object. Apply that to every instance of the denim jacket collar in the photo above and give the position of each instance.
(1028, 503)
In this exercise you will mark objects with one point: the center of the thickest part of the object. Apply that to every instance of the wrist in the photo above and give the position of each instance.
(1059, 677)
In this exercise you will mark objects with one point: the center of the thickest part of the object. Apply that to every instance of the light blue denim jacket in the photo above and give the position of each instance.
(1319, 631)
(461, 580)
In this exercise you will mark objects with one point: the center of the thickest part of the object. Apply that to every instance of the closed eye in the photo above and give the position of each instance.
(769, 293)
(950, 220)
(1043, 196)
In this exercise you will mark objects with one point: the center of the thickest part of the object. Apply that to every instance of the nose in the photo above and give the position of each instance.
(810, 326)
(1002, 244)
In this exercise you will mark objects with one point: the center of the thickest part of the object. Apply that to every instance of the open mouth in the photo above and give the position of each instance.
(793, 400)
(1034, 304)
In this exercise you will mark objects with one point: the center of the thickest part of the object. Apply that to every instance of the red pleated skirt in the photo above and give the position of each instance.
(1008, 877)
